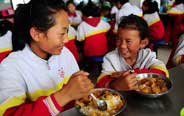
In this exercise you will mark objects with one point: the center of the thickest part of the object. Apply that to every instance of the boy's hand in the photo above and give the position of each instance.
(127, 81)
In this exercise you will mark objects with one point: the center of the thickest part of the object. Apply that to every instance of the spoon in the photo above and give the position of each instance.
(101, 104)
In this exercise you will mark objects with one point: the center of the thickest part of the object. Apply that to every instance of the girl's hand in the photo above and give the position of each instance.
(126, 82)
(78, 86)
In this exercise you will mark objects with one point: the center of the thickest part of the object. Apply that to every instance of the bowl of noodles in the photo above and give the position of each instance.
(115, 103)
(153, 85)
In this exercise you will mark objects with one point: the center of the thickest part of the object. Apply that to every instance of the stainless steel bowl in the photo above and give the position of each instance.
(153, 75)
(114, 92)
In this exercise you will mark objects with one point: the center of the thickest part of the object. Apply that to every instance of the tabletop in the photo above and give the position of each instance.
(167, 105)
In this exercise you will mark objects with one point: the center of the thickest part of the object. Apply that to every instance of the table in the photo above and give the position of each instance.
(167, 105)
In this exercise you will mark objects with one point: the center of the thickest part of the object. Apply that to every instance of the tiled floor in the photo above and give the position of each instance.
(163, 54)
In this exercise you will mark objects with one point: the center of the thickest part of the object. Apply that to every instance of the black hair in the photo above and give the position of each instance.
(151, 5)
(5, 25)
(91, 10)
(36, 13)
(179, 1)
(136, 23)
(123, 1)
(70, 2)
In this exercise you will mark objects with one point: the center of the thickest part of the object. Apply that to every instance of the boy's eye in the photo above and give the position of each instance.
(129, 41)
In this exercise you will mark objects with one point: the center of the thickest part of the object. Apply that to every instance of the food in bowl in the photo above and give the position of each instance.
(115, 103)
(153, 85)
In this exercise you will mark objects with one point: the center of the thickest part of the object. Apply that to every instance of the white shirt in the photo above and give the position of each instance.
(113, 61)
(24, 75)
(126, 10)
(77, 19)
(6, 42)
(114, 10)
(179, 49)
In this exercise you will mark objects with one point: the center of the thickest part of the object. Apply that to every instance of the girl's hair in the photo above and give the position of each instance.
(152, 6)
(136, 23)
(38, 14)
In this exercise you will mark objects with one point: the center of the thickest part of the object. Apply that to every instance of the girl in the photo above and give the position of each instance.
(41, 76)
(130, 57)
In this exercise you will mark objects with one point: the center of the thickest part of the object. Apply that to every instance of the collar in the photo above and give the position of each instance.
(93, 21)
(32, 56)
(72, 14)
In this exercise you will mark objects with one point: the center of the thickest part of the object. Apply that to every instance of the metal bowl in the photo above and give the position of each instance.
(115, 93)
(153, 75)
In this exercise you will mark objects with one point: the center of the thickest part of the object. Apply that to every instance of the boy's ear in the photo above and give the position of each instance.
(144, 42)
(34, 33)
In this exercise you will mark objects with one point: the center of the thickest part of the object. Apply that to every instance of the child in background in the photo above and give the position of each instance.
(156, 27)
(177, 9)
(176, 22)
(41, 76)
(71, 43)
(92, 31)
(105, 11)
(5, 38)
(126, 9)
(115, 8)
(6, 32)
(130, 57)
(177, 54)
(75, 16)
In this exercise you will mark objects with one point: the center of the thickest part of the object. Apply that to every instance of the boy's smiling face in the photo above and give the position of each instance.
(129, 42)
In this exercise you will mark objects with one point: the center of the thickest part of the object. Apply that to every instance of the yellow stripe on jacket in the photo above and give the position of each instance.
(72, 37)
(15, 101)
(160, 68)
(94, 33)
(5, 49)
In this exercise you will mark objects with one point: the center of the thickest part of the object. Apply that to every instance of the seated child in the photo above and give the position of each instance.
(75, 16)
(92, 31)
(176, 22)
(156, 27)
(130, 57)
(5, 38)
(40, 77)
(178, 57)
(71, 43)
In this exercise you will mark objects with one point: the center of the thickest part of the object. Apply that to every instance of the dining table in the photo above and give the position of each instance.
(166, 105)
